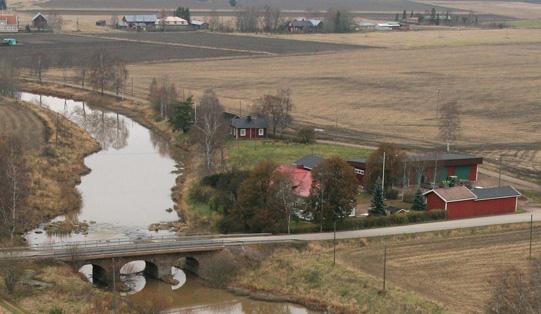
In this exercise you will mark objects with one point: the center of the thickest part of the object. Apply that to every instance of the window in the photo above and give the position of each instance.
(242, 132)
(359, 171)
(261, 132)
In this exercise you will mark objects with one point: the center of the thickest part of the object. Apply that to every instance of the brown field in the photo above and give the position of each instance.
(18, 120)
(391, 94)
(453, 269)
(516, 9)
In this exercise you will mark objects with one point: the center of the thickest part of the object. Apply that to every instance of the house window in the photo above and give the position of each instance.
(261, 132)
(242, 132)
(359, 171)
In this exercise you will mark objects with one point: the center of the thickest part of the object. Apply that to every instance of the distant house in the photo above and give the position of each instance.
(461, 202)
(9, 23)
(139, 21)
(304, 25)
(249, 127)
(367, 26)
(198, 24)
(172, 21)
(359, 166)
(39, 21)
(388, 26)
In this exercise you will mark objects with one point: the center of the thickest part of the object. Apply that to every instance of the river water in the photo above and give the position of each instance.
(128, 189)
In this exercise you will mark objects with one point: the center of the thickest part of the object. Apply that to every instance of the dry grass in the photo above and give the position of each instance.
(18, 120)
(454, 268)
(516, 9)
(309, 278)
(428, 37)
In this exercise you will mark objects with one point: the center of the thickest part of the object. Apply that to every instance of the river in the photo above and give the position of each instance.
(129, 188)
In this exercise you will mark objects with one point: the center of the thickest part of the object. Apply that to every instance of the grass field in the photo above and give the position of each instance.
(515, 9)
(23, 123)
(244, 154)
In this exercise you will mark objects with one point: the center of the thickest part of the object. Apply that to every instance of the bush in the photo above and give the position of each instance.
(201, 193)
(56, 310)
(391, 194)
(305, 136)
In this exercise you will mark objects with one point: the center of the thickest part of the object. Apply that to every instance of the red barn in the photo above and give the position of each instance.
(461, 202)
(249, 127)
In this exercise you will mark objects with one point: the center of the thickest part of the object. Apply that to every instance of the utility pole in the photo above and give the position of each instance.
(57, 128)
(334, 244)
(404, 180)
(384, 265)
(531, 233)
(435, 174)
(383, 174)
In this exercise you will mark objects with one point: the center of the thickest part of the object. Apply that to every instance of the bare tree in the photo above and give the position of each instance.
(277, 108)
(271, 18)
(64, 62)
(9, 78)
(285, 196)
(209, 129)
(449, 122)
(39, 64)
(83, 71)
(14, 185)
(162, 95)
(56, 22)
(120, 75)
(114, 21)
(248, 19)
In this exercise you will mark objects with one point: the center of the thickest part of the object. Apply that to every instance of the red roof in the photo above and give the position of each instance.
(454, 194)
(301, 179)
(10, 19)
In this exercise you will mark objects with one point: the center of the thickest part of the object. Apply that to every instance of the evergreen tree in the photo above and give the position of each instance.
(183, 115)
(396, 17)
(411, 15)
(419, 201)
(404, 15)
(233, 3)
(378, 203)
(184, 13)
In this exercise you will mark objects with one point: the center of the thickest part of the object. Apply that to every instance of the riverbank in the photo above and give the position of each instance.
(55, 168)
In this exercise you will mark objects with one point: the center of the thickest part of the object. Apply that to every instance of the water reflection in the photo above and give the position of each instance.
(129, 185)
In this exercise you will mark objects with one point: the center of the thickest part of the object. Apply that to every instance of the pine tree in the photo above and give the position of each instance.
(419, 201)
(183, 115)
(378, 203)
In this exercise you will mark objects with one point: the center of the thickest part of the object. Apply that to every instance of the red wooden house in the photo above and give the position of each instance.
(249, 127)
(461, 202)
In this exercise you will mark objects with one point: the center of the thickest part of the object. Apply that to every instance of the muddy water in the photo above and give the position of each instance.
(130, 183)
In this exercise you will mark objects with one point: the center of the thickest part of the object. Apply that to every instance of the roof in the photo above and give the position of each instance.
(314, 22)
(10, 19)
(198, 22)
(300, 178)
(396, 210)
(462, 193)
(38, 15)
(496, 192)
(302, 23)
(140, 18)
(357, 160)
(172, 19)
(309, 161)
(454, 194)
(249, 122)
(445, 157)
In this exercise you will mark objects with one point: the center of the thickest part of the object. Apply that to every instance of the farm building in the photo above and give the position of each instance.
(461, 202)
(139, 21)
(301, 179)
(198, 24)
(464, 167)
(304, 25)
(388, 26)
(171, 21)
(249, 127)
(308, 162)
(359, 166)
(9, 23)
(39, 21)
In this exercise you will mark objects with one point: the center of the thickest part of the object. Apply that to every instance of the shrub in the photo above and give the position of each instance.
(391, 194)
(305, 136)
(201, 193)
(56, 310)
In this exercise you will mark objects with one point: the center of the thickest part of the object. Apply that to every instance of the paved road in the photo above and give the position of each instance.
(408, 229)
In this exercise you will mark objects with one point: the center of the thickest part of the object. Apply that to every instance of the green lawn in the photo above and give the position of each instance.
(525, 23)
(245, 154)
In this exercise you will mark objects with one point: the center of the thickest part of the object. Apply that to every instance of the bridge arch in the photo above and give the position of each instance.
(189, 263)
(95, 274)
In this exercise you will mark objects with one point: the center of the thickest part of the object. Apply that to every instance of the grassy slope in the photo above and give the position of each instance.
(310, 278)
(245, 154)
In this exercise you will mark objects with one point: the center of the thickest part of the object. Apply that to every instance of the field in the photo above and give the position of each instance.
(24, 123)
(516, 9)
(245, 154)
(455, 269)
(392, 94)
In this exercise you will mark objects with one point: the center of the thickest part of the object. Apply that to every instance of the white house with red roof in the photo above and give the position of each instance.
(9, 23)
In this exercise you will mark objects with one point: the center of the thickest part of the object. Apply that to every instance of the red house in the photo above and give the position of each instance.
(461, 202)
(463, 166)
(301, 179)
(249, 127)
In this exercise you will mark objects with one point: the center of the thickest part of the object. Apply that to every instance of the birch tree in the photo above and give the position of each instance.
(210, 127)
(449, 122)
